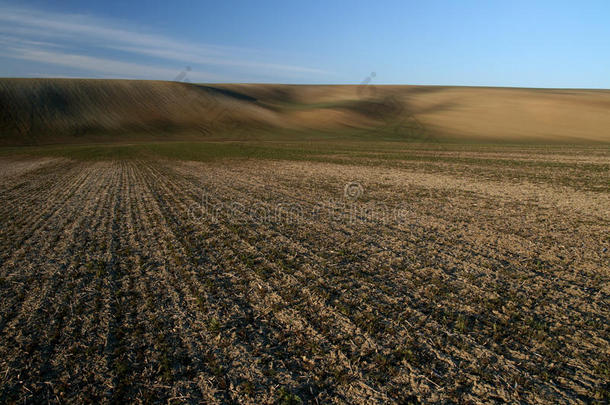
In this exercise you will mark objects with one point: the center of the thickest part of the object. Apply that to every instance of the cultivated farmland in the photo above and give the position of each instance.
(294, 272)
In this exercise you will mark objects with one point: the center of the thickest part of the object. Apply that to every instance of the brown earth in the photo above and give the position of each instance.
(257, 281)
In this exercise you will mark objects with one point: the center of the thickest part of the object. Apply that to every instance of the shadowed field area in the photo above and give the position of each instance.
(316, 272)
(47, 111)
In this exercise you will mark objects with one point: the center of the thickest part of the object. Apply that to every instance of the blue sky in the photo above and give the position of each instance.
(479, 43)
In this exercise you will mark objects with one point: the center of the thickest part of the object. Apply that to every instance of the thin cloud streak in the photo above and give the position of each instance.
(51, 30)
(101, 65)
(197, 59)
(66, 25)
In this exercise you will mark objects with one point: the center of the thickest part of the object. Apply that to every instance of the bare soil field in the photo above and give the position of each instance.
(402, 274)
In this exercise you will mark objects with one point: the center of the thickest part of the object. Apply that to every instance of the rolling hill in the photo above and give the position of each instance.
(42, 111)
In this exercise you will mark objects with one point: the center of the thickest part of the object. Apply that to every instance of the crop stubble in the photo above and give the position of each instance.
(116, 284)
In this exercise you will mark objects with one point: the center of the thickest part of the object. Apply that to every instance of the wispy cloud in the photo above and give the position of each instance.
(82, 43)
(112, 68)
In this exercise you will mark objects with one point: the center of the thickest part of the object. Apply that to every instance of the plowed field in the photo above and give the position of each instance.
(473, 277)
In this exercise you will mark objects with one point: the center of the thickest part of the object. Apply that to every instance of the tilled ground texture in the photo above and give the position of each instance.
(270, 281)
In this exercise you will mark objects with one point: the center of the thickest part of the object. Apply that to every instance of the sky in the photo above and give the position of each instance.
(557, 44)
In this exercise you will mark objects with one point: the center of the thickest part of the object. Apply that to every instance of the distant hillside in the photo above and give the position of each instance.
(34, 111)
(41, 110)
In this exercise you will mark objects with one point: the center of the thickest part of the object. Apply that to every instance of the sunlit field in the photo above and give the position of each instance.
(305, 272)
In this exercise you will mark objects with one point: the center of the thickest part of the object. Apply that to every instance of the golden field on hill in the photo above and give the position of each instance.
(41, 111)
